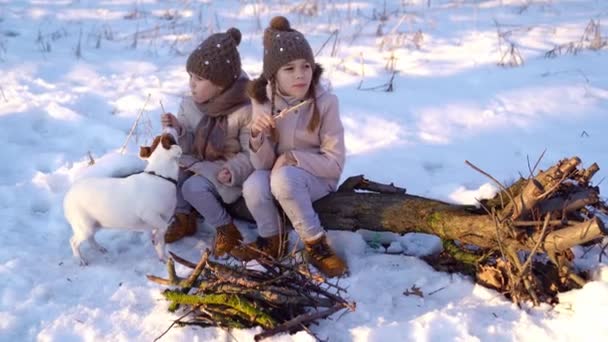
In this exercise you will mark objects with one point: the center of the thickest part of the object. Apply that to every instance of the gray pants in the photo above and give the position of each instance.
(198, 192)
(295, 189)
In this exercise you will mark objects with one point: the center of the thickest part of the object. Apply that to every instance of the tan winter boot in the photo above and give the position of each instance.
(183, 225)
(274, 246)
(226, 238)
(323, 257)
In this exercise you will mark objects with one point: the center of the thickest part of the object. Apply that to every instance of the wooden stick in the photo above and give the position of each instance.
(194, 308)
(514, 258)
(533, 252)
(124, 146)
(182, 261)
(360, 183)
(297, 321)
(288, 110)
(159, 280)
(533, 169)
(187, 283)
(539, 223)
(173, 278)
(502, 187)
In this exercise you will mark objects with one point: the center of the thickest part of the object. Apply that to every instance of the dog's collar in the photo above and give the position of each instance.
(163, 177)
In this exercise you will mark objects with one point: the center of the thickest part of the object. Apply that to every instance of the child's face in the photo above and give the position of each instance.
(202, 89)
(294, 78)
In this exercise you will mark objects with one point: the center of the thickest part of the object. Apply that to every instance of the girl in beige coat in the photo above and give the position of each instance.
(213, 132)
(296, 147)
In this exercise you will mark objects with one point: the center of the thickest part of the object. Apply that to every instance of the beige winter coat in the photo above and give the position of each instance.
(322, 152)
(236, 148)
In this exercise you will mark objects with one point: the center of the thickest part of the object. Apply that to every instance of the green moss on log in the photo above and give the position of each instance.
(232, 300)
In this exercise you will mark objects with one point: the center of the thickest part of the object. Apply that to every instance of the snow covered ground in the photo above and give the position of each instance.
(75, 75)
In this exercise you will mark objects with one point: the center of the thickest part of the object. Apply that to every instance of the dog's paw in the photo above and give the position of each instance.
(102, 250)
(83, 263)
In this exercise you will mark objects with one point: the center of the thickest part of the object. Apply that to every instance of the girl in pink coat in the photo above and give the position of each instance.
(296, 148)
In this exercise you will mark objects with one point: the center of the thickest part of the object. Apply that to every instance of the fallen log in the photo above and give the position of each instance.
(546, 213)
(404, 213)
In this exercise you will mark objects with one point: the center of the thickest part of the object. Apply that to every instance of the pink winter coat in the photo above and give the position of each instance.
(321, 152)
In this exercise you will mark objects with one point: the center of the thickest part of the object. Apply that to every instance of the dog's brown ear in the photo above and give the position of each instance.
(167, 141)
(155, 143)
(145, 151)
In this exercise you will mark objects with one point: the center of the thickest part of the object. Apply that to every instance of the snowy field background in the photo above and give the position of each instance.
(75, 75)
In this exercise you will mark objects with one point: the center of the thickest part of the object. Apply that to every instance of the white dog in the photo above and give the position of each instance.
(144, 201)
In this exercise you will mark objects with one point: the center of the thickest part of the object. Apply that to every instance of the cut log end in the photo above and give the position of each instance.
(578, 234)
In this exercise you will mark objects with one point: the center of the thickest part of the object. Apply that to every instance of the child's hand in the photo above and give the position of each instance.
(285, 159)
(169, 120)
(224, 176)
(262, 124)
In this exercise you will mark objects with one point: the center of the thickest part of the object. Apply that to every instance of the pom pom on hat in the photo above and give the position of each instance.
(235, 34)
(280, 23)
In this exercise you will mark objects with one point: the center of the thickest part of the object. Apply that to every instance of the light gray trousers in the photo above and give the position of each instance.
(198, 192)
(295, 189)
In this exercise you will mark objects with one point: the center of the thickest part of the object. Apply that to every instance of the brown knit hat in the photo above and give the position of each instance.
(217, 58)
(282, 44)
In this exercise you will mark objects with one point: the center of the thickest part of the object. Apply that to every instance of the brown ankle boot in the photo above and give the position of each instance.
(322, 256)
(226, 238)
(273, 247)
(183, 225)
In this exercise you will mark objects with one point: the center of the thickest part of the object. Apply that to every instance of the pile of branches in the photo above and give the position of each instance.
(283, 297)
(537, 221)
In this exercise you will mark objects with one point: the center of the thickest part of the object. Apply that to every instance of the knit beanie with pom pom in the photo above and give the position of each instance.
(217, 58)
(282, 44)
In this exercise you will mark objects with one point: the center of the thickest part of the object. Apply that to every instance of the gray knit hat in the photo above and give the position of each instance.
(282, 44)
(217, 58)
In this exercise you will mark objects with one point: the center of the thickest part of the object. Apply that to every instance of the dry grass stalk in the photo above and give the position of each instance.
(134, 126)
(591, 39)
(309, 8)
(91, 159)
(512, 57)
(386, 87)
(333, 35)
(3, 94)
